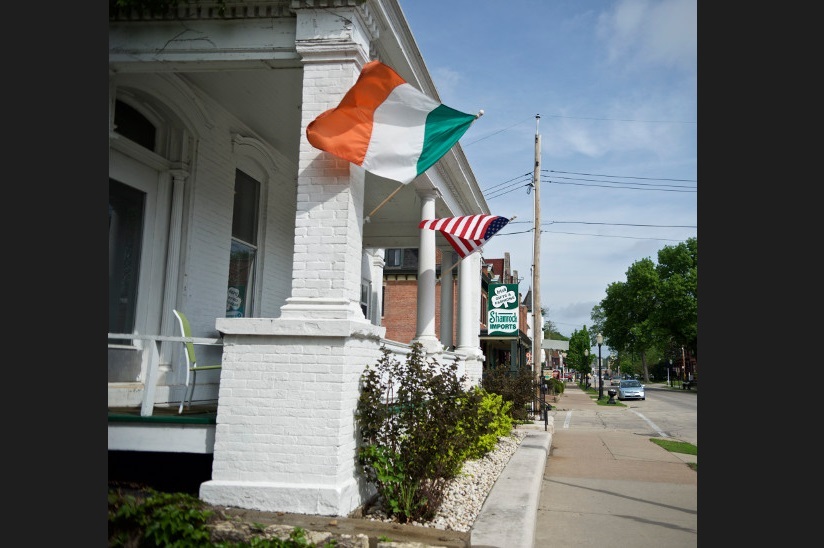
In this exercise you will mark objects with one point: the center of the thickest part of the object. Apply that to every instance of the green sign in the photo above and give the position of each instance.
(502, 310)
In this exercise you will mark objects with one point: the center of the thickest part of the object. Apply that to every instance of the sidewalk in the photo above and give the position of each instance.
(611, 488)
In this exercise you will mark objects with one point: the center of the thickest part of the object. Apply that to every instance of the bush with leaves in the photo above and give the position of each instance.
(490, 422)
(151, 518)
(417, 424)
(517, 387)
(157, 519)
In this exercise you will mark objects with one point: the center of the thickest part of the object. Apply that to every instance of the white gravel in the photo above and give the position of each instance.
(465, 495)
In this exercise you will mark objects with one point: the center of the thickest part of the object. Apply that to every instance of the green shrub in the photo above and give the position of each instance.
(154, 519)
(157, 519)
(517, 387)
(417, 425)
(491, 420)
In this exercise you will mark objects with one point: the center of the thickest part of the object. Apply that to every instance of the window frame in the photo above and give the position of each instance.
(241, 299)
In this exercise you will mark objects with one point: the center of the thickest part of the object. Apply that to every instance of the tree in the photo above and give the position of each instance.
(598, 319)
(628, 309)
(576, 358)
(676, 317)
(656, 309)
(555, 335)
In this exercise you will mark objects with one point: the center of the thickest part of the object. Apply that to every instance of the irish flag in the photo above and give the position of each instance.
(388, 127)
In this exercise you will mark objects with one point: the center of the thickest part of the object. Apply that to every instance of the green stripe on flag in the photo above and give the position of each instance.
(444, 126)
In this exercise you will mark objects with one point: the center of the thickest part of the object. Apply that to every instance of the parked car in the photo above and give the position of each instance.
(615, 381)
(631, 390)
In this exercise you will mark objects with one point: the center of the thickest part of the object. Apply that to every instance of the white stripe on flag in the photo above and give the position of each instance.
(463, 247)
(398, 130)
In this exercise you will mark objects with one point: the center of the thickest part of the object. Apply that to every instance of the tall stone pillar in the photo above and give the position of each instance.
(286, 438)
(469, 316)
(425, 333)
(447, 296)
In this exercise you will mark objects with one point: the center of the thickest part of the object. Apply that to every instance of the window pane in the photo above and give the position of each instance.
(410, 258)
(125, 235)
(245, 213)
(241, 271)
(392, 258)
(244, 246)
(130, 123)
(401, 259)
(365, 293)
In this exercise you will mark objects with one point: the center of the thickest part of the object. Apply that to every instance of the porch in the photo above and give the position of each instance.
(192, 431)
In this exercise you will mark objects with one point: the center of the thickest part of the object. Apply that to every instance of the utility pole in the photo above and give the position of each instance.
(537, 332)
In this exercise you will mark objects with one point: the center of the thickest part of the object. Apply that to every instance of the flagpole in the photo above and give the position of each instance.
(459, 260)
(382, 203)
(367, 218)
(451, 267)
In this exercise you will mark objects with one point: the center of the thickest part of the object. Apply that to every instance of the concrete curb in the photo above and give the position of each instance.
(508, 516)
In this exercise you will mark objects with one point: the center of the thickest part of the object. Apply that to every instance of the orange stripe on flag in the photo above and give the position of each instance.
(345, 130)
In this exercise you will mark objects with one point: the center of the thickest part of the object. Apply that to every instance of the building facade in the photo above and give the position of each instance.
(220, 208)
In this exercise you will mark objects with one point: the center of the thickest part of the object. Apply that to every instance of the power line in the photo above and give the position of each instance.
(620, 176)
(579, 118)
(610, 185)
(508, 181)
(608, 224)
(612, 236)
(622, 120)
(626, 182)
(499, 191)
(494, 133)
(500, 234)
(503, 192)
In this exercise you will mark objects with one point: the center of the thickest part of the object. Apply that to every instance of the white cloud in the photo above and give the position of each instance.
(640, 33)
(446, 81)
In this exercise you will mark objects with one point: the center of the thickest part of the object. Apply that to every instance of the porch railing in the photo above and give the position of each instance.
(150, 381)
(398, 350)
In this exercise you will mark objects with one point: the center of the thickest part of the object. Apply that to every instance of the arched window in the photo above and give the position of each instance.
(132, 124)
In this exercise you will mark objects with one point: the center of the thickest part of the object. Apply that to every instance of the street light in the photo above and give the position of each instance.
(599, 340)
(586, 366)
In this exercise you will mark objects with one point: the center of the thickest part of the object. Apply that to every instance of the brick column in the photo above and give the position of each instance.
(286, 437)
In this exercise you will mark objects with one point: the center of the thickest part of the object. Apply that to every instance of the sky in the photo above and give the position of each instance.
(615, 85)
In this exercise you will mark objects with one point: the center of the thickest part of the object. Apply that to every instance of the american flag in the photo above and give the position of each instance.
(468, 233)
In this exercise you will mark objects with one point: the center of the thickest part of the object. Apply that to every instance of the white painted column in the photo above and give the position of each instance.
(326, 271)
(172, 262)
(447, 296)
(425, 333)
(469, 316)
(376, 265)
(285, 439)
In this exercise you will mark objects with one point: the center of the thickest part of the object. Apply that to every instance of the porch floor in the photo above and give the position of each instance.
(194, 414)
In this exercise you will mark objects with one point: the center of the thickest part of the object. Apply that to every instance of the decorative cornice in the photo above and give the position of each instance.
(176, 10)
(158, 10)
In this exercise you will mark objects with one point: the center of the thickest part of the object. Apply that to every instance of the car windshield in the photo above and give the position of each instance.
(630, 384)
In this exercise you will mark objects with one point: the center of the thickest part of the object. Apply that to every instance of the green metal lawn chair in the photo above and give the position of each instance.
(191, 360)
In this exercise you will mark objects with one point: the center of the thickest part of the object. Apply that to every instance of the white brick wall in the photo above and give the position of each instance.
(285, 419)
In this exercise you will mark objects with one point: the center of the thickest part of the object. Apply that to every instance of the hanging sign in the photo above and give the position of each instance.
(502, 309)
